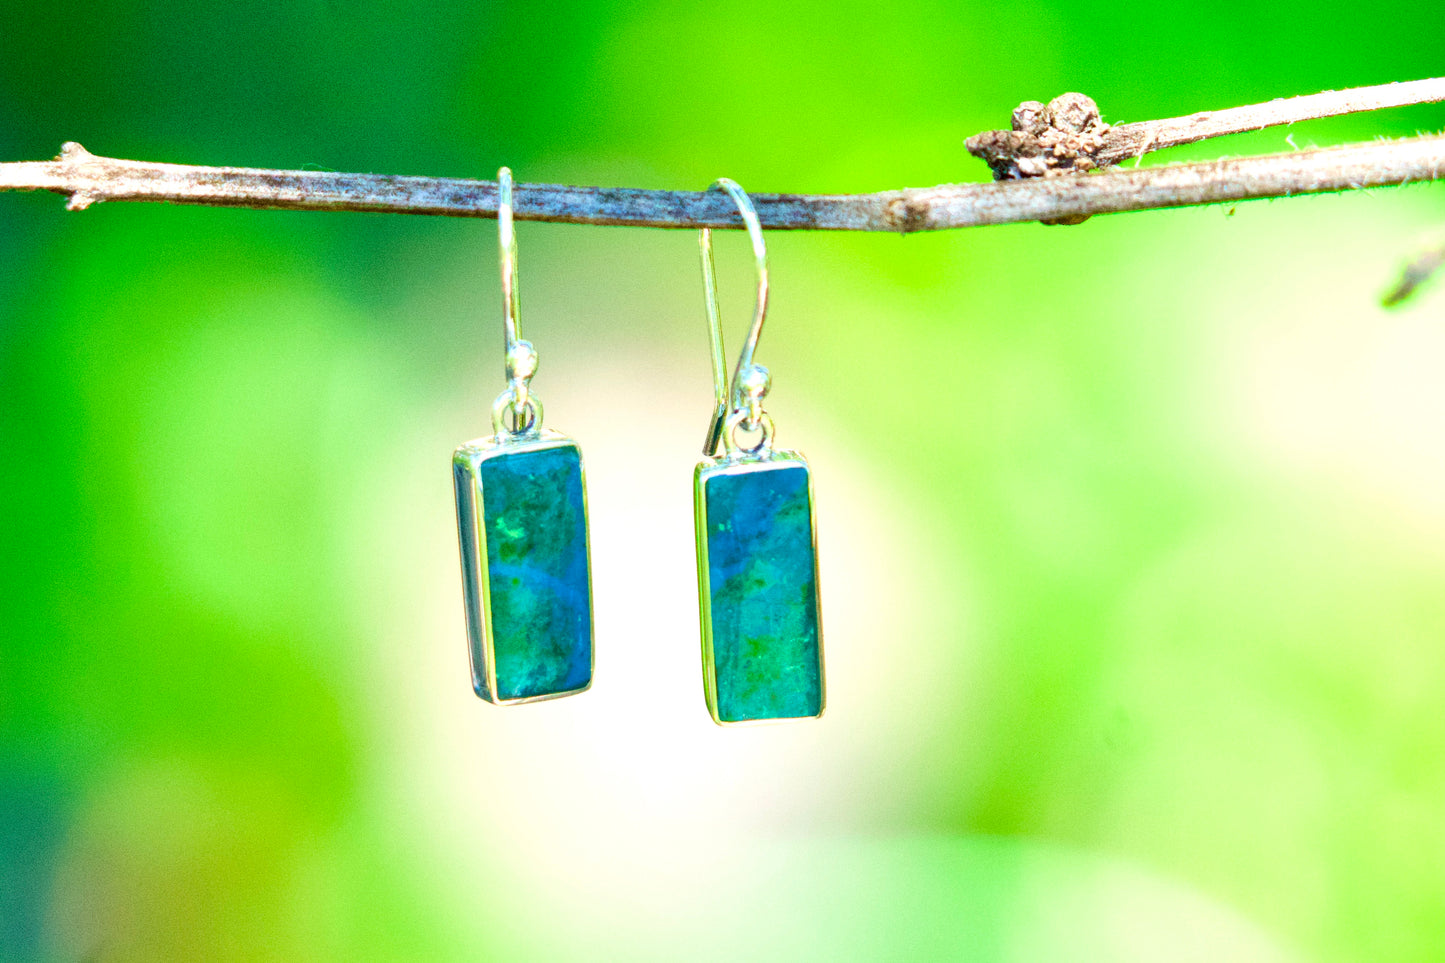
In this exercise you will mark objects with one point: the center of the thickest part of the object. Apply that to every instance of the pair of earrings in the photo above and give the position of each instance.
(526, 562)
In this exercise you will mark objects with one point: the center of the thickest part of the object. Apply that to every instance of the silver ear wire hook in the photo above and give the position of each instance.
(749, 381)
(507, 243)
(521, 357)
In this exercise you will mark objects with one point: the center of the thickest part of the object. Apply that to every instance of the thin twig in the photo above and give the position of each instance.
(88, 179)
(1132, 140)
(1420, 269)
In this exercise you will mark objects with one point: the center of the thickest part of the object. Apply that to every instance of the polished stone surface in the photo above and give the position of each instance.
(763, 589)
(534, 526)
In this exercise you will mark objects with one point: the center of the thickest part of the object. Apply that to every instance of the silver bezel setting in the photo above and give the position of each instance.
(470, 456)
(738, 464)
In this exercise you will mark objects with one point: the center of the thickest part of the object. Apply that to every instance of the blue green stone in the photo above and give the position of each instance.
(538, 603)
(762, 587)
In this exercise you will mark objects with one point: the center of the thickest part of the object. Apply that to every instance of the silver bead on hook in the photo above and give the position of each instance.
(753, 384)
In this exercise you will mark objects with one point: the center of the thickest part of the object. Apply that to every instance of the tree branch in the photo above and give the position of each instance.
(87, 179)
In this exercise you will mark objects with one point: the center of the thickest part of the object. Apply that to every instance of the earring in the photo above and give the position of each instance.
(522, 527)
(757, 559)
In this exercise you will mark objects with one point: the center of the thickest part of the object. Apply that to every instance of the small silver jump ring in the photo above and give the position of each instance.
(507, 401)
(739, 419)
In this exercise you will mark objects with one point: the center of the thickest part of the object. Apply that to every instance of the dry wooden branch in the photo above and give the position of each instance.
(87, 179)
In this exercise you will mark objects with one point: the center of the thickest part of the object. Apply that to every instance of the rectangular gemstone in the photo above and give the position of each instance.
(526, 577)
(758, 581)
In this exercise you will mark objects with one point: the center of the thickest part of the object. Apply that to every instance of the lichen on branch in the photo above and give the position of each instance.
(1064, 136)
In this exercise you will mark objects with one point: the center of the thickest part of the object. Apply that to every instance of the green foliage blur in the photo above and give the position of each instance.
(1133, 532)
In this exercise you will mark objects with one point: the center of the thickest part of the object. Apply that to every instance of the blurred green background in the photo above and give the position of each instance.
(1133, 533)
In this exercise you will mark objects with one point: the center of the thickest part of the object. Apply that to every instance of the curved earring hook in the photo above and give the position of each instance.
(507, 245)
(507, 242)
(725, 392)
(521, 357)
